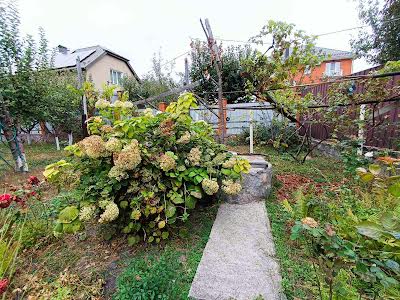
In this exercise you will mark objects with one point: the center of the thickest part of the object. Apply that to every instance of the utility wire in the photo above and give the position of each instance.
(317, 35)
(341, 79)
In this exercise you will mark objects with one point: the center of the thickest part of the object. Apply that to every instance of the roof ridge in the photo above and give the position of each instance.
(317, 47)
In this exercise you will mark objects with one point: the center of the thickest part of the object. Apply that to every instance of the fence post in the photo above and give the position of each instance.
(361, 129)
(251, 133)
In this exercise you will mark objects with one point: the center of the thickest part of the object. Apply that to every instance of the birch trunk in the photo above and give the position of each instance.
(13, 139)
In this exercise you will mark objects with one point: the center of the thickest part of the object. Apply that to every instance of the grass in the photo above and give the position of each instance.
(167, 273)
(38, 156)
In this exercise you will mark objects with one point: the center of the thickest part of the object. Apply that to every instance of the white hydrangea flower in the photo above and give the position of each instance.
(86, 213)
(110, 213)
(102, 104)
(127, 104)
(210, 186)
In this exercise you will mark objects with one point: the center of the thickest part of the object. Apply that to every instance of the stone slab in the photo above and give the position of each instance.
(239, 259)
(256, 185)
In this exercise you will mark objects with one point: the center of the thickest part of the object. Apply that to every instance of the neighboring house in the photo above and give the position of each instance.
(335, 63)
(100, 65)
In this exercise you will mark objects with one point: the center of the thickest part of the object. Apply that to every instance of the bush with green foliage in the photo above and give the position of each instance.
(278, 133)
(141, 174)
(355, 250)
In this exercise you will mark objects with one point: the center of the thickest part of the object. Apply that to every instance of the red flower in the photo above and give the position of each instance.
(33, 180)
(3, 285)
(5, 200)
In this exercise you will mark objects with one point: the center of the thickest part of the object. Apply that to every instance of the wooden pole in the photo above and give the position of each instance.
(218, 67)
(84, 104)
(186, 79)
(251, 134)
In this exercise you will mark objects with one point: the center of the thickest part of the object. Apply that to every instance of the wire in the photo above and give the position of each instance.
(353, 28)
(341, 79)
(317, 35)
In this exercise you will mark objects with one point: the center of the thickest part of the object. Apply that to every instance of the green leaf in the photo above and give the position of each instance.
(73, 227)
(367, 177)
(226, 172)
(374, 169)
(177, 199)
(198, 179)
(123, 204)
(68, 214)
(170, 210)
(388, 221)
(369, 229)
(165, 235)
(394, 189)
(133, 239)
(58, 228)
(190, 202)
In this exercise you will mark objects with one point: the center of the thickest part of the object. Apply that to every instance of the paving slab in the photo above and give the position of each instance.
(239, 261)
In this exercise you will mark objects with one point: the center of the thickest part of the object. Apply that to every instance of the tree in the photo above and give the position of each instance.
(380, 42)
(157, 81)
(232, 70)
(30, 92)
(15, 62)
(270, 77)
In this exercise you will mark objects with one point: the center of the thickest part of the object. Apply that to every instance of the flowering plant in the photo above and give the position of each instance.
(20, 195)
(145, 172)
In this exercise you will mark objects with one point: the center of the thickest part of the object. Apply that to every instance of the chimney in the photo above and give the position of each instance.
(62, 49)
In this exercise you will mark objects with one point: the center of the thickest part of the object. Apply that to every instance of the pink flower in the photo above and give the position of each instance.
(3, 285)
(5, 200)
(33, 180)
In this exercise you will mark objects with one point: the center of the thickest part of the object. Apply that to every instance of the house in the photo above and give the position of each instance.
(100, 65)
(335, 63)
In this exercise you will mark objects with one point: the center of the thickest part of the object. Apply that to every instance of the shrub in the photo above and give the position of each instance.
(278, 133)
(357, 253)
(145, 172)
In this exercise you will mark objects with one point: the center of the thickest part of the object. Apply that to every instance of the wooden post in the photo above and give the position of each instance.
(214, 51)
(84, 104)
(361, 129)
(251, 134)
(186, 78)
(70, 139)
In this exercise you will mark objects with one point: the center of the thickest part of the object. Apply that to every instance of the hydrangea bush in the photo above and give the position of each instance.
(141, 173)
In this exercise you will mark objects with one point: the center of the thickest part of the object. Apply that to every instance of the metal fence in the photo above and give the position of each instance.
(238, 116)
(382, 131)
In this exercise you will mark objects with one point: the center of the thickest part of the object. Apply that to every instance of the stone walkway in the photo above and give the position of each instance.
(239, 259)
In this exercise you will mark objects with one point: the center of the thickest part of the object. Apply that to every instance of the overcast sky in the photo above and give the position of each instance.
(136, 29)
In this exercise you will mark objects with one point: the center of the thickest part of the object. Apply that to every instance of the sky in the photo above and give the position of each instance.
(137, 29)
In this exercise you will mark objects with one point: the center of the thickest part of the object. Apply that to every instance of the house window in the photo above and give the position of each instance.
(307, 70)
(116, 77)
(333, 69)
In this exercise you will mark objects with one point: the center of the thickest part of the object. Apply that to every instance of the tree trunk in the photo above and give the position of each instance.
(13, 139)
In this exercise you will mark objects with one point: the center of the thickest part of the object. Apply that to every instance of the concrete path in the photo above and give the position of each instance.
(239, 259)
